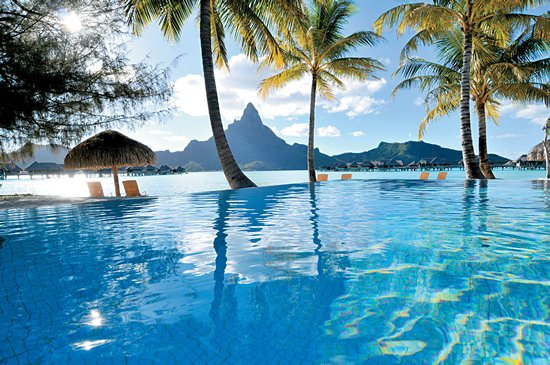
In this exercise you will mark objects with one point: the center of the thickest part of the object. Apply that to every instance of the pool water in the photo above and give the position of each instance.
(344, 272)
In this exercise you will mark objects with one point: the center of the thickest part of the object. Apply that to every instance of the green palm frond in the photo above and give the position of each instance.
(356, 68)
(170, 14)
(218, 40)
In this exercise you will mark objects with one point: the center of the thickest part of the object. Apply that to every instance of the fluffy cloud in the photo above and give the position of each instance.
(358, 134)
(535, 113)
(329, 131)
(295, 130)
(239, 87)
(419, 101)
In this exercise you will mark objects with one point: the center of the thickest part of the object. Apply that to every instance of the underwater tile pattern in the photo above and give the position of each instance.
(343, 272)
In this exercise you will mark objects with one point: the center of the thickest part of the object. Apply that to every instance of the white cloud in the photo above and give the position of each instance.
(239, 87)
(176, 138)
(355, 105)
(295, 130)
(419, 101)
(159, 132)
(535, 113)
(358, 134)
(386, 61)
(329, 131)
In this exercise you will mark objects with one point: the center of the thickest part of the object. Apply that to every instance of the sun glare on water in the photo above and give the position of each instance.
(72, 22)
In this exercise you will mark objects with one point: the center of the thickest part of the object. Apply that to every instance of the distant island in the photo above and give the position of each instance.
(257, 147)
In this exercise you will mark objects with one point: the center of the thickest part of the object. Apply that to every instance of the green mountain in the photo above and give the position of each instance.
(411, 152)
(256, 147)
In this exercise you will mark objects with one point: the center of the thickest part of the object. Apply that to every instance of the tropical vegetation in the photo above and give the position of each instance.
(318, 48)
(475, 19)
(57, 84)
(517, 72)
(250, 21)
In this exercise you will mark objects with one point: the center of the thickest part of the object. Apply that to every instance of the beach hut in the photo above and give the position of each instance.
(109, 149)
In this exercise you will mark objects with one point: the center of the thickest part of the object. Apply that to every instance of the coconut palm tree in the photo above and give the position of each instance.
(545, 145)
(515, 72)
(433, 19)
(318, 48)
(250, 20)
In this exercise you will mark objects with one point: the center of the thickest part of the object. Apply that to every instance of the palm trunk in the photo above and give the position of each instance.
(484, 164)
(547, 154)
(468, 155)
(311, 141)
(235, 177)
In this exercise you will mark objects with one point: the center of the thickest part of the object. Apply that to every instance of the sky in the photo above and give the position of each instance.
(357, 120)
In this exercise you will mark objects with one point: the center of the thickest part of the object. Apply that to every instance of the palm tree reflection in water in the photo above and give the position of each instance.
(285, 304)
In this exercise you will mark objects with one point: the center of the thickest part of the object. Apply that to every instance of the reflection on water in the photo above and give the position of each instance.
(389, 272)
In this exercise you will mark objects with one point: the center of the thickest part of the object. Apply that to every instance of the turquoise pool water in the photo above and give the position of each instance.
(344, 272)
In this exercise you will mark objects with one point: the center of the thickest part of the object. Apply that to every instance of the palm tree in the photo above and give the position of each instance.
(249, 19)
(514, 72)
(490, 17)
(545, 145)
(317, 48)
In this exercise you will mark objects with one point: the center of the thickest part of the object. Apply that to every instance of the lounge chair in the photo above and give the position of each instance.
(322, 177)
(131, 188)
(96, 190)
(346, 176)
(442, 175)
(424, 175)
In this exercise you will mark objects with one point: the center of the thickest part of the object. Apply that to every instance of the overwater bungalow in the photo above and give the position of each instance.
(10, 169)
(180, 170)
(47, 169)
(366, 165)
(164, 170)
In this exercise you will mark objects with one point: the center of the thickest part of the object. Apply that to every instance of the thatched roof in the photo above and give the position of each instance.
(107, 149)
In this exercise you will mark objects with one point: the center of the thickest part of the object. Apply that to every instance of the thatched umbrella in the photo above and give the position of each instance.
(109, 149)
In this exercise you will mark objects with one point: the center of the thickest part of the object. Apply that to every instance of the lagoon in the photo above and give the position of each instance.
(171, 185)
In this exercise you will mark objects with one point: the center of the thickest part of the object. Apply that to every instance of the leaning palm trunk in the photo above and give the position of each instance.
(484, 164)
(235, 177)
(547, 155)
(468, 155)
(311, 142)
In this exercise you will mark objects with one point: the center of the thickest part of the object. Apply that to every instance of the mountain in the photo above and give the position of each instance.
(411, 152)
(43, 153)
(254, 146)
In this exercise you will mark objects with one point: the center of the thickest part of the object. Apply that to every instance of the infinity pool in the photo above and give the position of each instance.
(344, 272)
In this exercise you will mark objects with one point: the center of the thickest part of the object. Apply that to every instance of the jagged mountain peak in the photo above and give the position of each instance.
(250, 115)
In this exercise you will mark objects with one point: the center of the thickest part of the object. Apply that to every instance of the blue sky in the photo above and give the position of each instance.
(358, 120)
